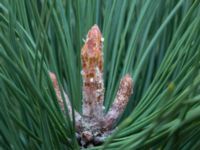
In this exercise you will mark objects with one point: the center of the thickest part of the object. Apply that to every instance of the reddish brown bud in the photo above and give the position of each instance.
(92, 73)
(61, 102)
(94, 126)
(58, 93)
(120, 102)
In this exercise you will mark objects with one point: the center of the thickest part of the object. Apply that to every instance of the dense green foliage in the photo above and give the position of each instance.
(156, 41)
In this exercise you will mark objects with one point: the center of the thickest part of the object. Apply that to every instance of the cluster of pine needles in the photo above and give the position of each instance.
(157, 42)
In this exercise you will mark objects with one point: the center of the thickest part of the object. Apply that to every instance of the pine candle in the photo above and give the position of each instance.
(93, 126)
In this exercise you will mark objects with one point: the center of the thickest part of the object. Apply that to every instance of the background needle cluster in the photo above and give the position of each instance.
(157, 42)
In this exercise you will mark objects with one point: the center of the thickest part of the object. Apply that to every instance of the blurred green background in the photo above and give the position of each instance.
(156, 41)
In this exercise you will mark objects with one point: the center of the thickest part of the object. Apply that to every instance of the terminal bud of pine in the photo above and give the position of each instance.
(92, 73)
(94, 126)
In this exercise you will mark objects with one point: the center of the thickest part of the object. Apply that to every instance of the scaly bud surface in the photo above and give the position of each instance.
(92, 73)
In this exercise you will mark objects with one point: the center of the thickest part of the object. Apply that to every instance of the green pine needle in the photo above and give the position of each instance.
(156, 41)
